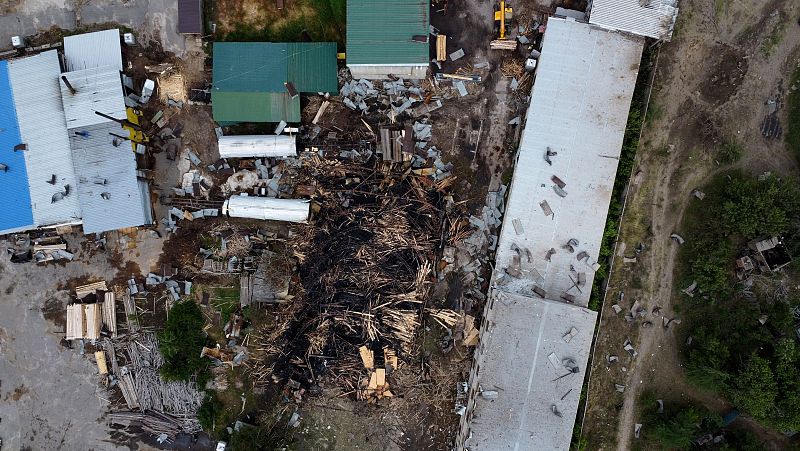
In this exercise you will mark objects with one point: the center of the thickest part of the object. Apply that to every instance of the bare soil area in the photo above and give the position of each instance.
(713, 84)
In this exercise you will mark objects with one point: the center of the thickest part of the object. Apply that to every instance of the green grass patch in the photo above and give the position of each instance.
(181, 341)
(793, 127)
(730, 151)
(226, 300)
(772, 41)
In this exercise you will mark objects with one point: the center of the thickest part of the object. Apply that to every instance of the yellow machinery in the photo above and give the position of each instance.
(502, 16)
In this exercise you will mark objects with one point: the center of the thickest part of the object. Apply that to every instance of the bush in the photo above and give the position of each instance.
(209, 410)
(181, 342)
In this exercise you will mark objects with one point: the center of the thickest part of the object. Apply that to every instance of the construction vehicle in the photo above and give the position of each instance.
(503, 13)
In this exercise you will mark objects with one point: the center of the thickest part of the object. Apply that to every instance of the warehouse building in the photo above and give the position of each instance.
(261, 81)
(537, 332)
(652, 18)
(59, 164)
(388, 37)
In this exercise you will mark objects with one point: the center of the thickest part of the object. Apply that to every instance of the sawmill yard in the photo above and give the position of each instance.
(315, 253)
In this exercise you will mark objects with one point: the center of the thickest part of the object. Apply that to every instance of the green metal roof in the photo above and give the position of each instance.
(313, 67)
(249, 78)
(255, 107)
(381, 31)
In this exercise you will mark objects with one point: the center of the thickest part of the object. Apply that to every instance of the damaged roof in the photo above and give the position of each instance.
(190, 16)
(649, 18)
(249, 78)
(381, 32)
(579, 110)
(93, 50)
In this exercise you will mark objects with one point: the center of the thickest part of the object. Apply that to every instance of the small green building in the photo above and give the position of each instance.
(388, 37)
(252, 80)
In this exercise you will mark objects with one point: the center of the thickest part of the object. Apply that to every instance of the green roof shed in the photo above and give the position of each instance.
(388, 32)
(249, 78)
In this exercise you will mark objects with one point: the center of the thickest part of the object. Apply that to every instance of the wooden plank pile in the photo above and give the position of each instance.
(84, 321)
(110, 313)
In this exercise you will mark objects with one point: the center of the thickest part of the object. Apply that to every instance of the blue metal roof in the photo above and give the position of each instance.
(15, 199)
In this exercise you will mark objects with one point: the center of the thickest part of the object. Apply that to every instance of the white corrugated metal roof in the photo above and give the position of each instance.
(108, 189)
(267, 208)
(649, 18)
(37, 99)
(98, 89)
(257, 146)
(93, 50)
(579, 108)
(515, 356)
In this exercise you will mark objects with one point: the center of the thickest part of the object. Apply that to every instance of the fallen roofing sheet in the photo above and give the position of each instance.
(15, 197)
(579, 108)
(537, 401)
(257, 146)
(383, 32)
(651, 18)
(93, 50)
(37, 96)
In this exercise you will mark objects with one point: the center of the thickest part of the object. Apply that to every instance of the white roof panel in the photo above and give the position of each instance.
(257, 146)
(93, 50)
(98, 89)
(108, 189)
(524, 338)
(649, 18)
(579, 108)
(37, 99)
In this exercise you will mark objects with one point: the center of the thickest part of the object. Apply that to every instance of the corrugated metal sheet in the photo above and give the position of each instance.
(249, 67)
(92, 50)
(313, 66)
(190, 16)
(651, 18)
(34, 81)
(381, 31)
(98, 89)
(267, 208)
(102, 168)
(244, 68)
(14, 195)
(257, 146)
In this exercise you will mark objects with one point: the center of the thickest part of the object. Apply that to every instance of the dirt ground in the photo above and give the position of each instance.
(712, 85)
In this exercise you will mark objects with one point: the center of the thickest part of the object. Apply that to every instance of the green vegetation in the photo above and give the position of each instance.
(730, 152)
(327, 22)
(181, 342)
(679, 425)
(630, 145)
(754, 365)
(226, 300)
(793, 128)
(773, 40)
(211, 408)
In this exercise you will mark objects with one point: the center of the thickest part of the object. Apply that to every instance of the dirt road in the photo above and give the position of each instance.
(713, 85)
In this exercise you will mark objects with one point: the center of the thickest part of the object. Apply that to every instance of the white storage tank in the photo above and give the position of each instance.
(257, 146)
(267, 208)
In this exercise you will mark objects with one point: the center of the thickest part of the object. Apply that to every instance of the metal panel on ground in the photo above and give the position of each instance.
(37, 96)
(93, 50)
(14, 195)
(108, 189)
(257, 146)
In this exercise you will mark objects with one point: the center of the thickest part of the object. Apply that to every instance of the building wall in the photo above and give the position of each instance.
(383, 72)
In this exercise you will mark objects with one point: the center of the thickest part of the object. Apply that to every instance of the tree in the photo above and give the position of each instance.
(755, 207)
(679, 431)
(755, 388)
(181, 342)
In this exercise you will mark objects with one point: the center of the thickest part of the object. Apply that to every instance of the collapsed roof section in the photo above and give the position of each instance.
(93, 50)
(108, 189)
(648, 18)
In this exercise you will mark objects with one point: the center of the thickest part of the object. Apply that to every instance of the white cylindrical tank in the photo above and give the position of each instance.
(267, 208)
(257, 146)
